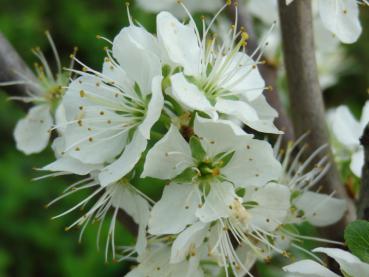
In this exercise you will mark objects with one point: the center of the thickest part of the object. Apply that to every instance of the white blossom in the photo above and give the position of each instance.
(341, 18)
(32, 133)
(349, 264)
(216, 79)
(110, 114)
(346, 131)
(121, 195)
(301, 176)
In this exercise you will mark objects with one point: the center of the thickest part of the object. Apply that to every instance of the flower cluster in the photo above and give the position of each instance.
(168, 108)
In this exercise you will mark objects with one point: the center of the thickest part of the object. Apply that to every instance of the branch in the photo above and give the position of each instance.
(363, 202)
(268, 72)
(13, 68)
(307, 106)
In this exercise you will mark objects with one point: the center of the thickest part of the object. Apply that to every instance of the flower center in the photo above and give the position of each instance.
(209, 169)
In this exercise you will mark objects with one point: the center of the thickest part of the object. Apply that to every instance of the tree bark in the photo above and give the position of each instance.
(363, 202)
(307, 106)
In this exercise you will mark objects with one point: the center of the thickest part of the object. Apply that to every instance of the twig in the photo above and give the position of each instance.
(363, 202)
(307, 106)
(268, 72)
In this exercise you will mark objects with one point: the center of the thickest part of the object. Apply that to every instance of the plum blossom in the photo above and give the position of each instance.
(301, 176)
(206, 175)
(32, 133)
(121, 195)
(329, 54)
(346, 132)
(340, 17)
(214, 79)
(349, 264)
(110, 114)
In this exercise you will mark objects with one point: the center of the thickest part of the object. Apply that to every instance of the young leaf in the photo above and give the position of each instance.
(357, 239)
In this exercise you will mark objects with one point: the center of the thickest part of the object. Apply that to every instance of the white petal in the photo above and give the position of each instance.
(309, 268)
(180, 42)
(154, 263)
(60, 119)
(190, 238)
(341, 17)
(320, 209)
(217, 202)
(32, 133)
(253, 164)
(357, 162)
(190, 96)
(273, 205)
(266, 115)
(154, 108)
(135, 46)
(168, 157)
(58, 146)
(175, 210)
(242, 77)
(136, 207)
(349, 263)
(219, 136)
(71, 165)
(345, 127)
(94, 134)
(239, 109)
(247, 257)
(125, 163)
(289, 2)
(266, 10)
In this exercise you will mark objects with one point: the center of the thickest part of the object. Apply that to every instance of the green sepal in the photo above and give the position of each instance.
(186, 176)
(197, 150)
(224, 158)
(241, 192)
(250, 204)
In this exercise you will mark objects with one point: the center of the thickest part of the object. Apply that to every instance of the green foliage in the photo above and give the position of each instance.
(357, 239)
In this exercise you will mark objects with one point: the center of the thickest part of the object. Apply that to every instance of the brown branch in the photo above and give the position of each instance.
(307, 106)
(363, 202)
(268, 72)
(12, 67)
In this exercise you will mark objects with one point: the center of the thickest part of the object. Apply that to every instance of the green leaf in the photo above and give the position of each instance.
(357, 239)
(197, 150)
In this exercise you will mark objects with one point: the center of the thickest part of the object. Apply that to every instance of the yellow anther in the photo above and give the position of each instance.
(244, 36)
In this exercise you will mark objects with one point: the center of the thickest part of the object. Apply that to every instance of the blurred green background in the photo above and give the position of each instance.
(31, 244)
